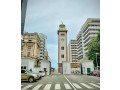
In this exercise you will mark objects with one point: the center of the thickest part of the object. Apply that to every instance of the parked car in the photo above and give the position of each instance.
(98, 74)
(40, 76)
(95, 73)
(28, 76)
(42, 73)
(90, 73)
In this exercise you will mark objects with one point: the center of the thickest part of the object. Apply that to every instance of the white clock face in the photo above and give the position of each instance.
(62, 39)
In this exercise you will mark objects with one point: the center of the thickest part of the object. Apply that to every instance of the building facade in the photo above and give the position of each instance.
(62, 46)
(89, 29)
(72, 54)
(30, 47)
(43, 48)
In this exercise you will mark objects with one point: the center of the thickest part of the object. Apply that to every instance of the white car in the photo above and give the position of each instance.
(42, 73)
(40, 76)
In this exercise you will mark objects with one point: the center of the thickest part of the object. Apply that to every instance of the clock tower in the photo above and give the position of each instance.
(62, 46)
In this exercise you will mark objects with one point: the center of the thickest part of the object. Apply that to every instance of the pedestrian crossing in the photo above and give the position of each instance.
(67, 86)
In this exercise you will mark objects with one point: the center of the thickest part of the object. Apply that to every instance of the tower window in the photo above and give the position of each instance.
(62, 34)
(62, 48)
(62, 39)
(62, 56)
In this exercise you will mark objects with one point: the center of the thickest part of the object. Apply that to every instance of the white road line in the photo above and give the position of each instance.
(70, 83)
(77, 86)
(37, 87)
(94, 85)
(57, 86)
(47, 87)
(28, 86)
(67, 86)
(87, 86)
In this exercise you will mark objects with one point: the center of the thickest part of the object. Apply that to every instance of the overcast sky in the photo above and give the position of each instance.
(44, 16)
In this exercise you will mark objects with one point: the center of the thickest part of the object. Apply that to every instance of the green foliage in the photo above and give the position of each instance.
(93, 48)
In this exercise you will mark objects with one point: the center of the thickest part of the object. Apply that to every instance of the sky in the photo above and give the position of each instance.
(45, 16)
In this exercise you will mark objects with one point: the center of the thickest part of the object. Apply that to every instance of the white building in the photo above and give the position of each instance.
(29, 63)
(87, 66)
(43, 46)
(46, 66)
(66, 67)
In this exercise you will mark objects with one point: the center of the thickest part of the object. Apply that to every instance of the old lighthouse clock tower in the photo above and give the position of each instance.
(62, 46)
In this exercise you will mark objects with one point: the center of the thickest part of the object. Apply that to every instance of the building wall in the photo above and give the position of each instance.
(28, 63)
(66, 67)
(47, 65)
(87, 64)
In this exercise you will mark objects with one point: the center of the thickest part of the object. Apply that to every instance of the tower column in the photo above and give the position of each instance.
(62, 46)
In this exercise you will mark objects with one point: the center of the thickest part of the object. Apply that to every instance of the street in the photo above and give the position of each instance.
(63, 82)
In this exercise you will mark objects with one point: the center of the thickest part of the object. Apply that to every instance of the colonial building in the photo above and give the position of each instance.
(62, 46)
(30, 47)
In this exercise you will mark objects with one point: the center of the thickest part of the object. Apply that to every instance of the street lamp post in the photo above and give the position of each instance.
(96, 60)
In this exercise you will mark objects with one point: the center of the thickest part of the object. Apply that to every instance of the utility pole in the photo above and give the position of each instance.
(96, 60)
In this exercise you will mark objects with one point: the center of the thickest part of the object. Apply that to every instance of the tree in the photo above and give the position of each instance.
(93, 48)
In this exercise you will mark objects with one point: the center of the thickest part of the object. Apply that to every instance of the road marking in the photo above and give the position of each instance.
(37, 87)
(94, 85)
(77, 86)
(70, 82)
(57, 86)
(47, 87)
(87, 86)
(67, 86)
(28, 86)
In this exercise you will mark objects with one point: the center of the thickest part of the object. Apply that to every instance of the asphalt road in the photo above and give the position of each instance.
(64, 82)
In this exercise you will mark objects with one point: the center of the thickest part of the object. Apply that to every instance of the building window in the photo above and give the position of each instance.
(22, 71)
(21, 54)
(30, 40)
(22, 48)
(62, 56)
(21, 67)
(29, 48)
(62, 48)
(24, 67)
(28, 54)
(62, 34)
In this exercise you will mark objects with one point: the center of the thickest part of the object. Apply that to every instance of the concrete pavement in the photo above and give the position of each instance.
(63, 82)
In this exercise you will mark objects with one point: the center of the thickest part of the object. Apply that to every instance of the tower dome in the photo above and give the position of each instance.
(62, 26)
